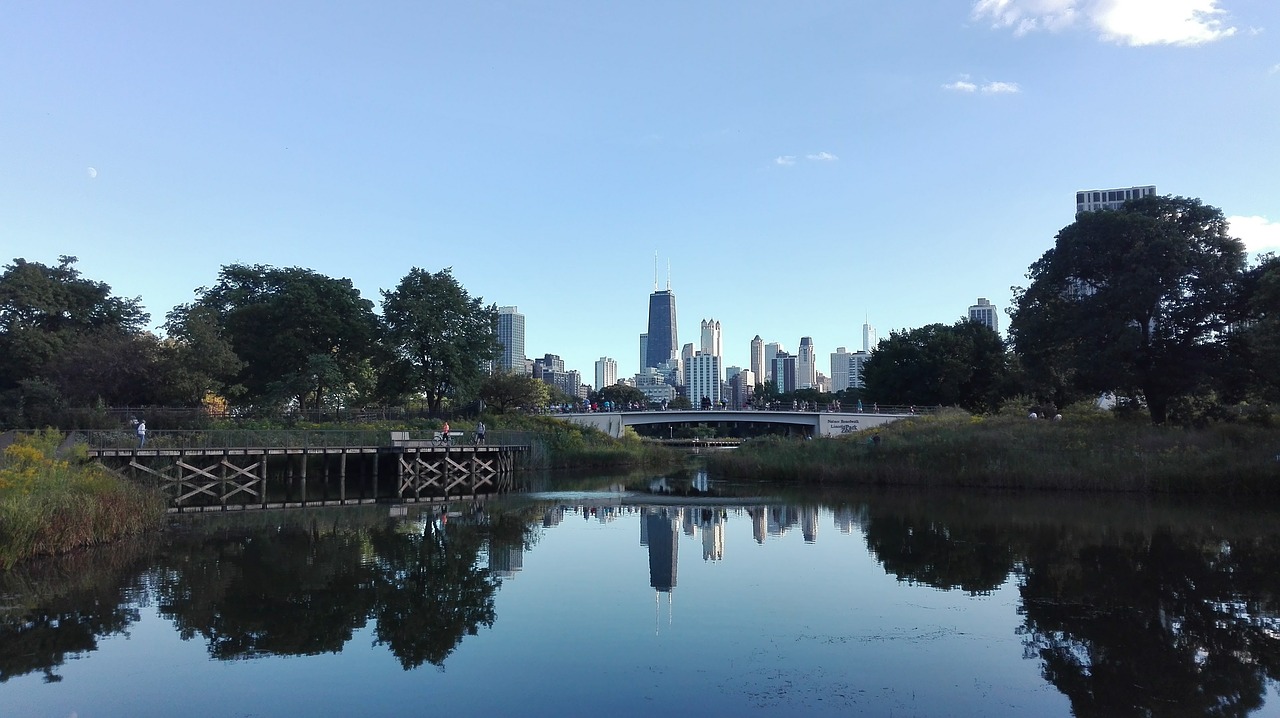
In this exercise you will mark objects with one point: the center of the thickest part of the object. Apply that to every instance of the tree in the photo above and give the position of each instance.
(299, 334)
(621, 395)
(1133, 300)
(439, 335)
(1253, 341)
(502, 391)
(965, 364)
(68, 334)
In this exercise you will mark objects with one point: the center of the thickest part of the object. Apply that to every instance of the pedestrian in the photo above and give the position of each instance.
(479, 432)
(444, 433)
(142, 432)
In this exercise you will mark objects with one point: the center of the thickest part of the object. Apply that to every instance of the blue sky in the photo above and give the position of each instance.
(801, 165)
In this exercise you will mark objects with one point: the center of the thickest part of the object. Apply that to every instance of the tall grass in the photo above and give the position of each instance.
(50, 505)
(1086, 450)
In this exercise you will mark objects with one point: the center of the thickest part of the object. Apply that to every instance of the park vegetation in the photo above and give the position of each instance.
(50, 505)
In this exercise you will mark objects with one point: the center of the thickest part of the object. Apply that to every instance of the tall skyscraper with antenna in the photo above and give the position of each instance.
(662, 344)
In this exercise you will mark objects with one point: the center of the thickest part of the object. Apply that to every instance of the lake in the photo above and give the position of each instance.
(676, 595)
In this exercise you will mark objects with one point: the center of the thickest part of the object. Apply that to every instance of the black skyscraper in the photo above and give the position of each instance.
(663, 345)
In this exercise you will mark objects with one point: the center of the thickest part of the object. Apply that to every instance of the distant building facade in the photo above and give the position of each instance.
(757, 357)
(984, 312)
(661, 342)
(702, 379)
(511, 337)
(711, 338)
(606, 373)
(1092, 200)
(806, 365)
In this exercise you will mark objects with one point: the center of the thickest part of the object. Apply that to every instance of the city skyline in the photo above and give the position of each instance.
(804, 167)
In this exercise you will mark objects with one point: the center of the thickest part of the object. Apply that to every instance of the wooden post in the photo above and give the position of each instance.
(304, 476)
(342, 477)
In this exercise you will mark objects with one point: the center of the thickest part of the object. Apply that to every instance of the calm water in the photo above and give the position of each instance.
(673, 597)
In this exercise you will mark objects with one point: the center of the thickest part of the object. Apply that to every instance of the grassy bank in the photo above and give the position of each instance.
(49, 505)
(1088, 450)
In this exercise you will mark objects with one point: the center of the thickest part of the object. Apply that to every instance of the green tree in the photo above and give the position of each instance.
(69, 335)
(1133, 300)
(503, 391)
(300, 335)
(965, 364)
(621, 395)
(1253, 342)
(439, 335)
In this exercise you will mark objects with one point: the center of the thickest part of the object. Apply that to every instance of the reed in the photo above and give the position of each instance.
(49, 505)
(1086, 450)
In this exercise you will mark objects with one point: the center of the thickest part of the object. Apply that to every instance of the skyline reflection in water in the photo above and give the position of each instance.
(673, 595)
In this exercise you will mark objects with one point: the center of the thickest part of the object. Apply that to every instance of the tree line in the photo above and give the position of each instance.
(1154, 303)
(261, 339)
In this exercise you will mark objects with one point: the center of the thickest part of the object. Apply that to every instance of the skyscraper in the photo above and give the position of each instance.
(702, 379)
(711, 338)
(757, 358)
(984, 312)
(869, 341)
(806, 365)
(511, 337)
(606, 373)
(662, 343)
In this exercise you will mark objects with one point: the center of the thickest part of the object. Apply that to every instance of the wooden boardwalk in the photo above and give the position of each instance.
(237, 478)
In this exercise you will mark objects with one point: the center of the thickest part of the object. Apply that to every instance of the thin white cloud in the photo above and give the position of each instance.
(1258, 234)
(1001, 88)
(785, 160)
(1275, 68)
(822, 157)
(1127, 22)
(964, 84)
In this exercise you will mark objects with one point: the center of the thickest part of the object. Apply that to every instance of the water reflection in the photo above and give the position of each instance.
(1127, 608)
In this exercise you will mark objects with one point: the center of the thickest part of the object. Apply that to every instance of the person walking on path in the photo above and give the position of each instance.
(142, 433)
(444, 433)
(479, 432)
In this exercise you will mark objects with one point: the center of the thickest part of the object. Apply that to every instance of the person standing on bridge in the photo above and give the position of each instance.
(479, 432)
(444, 432)
(142, 432)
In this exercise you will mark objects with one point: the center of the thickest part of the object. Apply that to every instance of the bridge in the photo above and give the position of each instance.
(240, 470)
(810, 423)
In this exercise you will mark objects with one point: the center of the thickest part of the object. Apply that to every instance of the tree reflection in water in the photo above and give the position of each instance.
(1129, 609)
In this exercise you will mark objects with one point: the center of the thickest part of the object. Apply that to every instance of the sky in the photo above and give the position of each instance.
(796, 168)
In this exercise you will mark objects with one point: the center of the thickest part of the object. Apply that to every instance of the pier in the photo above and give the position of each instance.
(245, 470)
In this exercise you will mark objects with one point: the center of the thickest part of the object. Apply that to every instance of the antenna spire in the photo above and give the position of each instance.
(668, 275)
(655, 271)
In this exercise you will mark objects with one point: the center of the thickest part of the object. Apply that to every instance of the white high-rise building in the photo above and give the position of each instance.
(606, 373)
(702, 378)
(511, 337)
(846, 369)
(984, 312)
(806, 365)
(711, 338)
(869, 340)
(1092, 200)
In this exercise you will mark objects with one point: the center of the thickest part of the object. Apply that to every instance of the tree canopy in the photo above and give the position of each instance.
(298, 333)
(440, 337)
(965, 364)
(1133, 300)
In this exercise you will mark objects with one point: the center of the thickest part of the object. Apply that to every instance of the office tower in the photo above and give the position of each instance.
(702, 379)
(644, 349)
(771, 350)
(757, 357)
(662, 343)
(806, 365)
(1092, 200)
(869, 341)
(511, 337)
(783, 372)
(711, 338)
(742, 387)
(840, 369)
(606, 373)
(984, 313)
